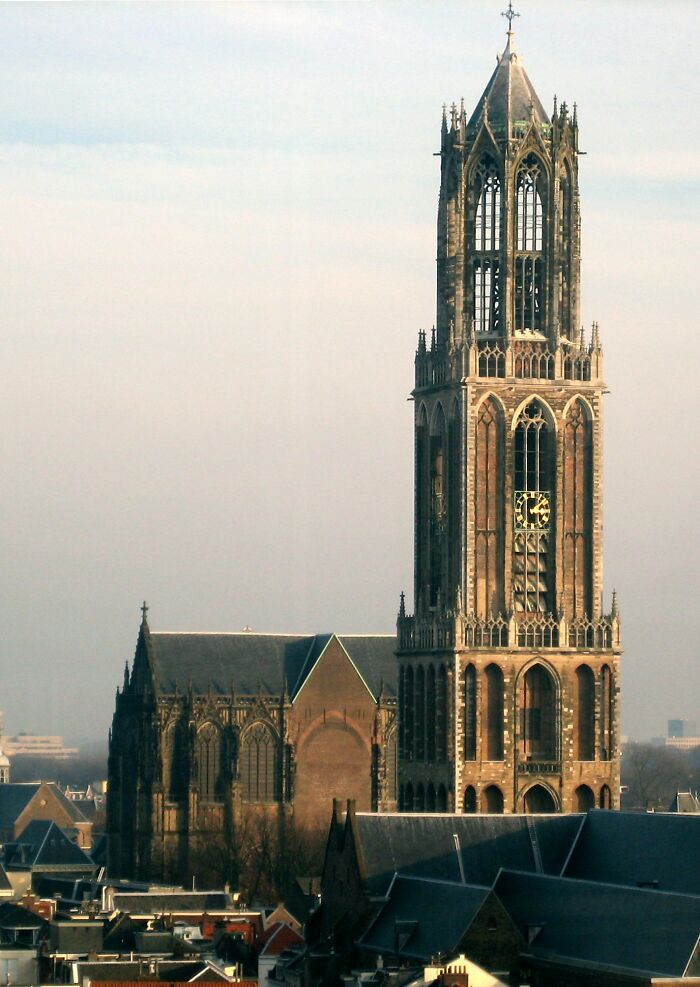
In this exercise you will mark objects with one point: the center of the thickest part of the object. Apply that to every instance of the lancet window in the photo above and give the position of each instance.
(488, 556)
(494, 713)
(208, 759)
(486, 191)
(470, 713)
(259, 765)
(577, 496)
(538, 720)
(532, 511)
(529, 245)
(566, 247)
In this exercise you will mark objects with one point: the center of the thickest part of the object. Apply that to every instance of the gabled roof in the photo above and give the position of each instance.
(423, 919)
(646, 931)
(635, 848)
(171, 971)
(43, 845)
(269, 663)
(279, 937)
(15, 917)
(423, 845)
(166, 903)
(509, 95)
(14, 799)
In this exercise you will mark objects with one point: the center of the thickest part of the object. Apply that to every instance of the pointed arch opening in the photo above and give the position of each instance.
(469, 799)
(533, 509)
(441, 715)
(430, 701)
(530, 221)
(408, 709)
(606, 714)
(577, 510)
(584, 799)
(174, 762)
(420, 714)
(208, 761)
(430, 798)
(409, 798)
(488, 510)
(539, 799)
(470, 713)
(605, 798)
(566, 247)
(538, 720)
(492, 800)
(584, 724)
(420, 798)
(485, 247)
(260, 765)
(438, 507)
(494, 713)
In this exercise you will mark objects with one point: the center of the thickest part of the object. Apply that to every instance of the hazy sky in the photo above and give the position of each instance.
(217, 248)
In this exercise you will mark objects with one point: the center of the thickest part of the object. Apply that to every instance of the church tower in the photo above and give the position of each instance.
(509, 668)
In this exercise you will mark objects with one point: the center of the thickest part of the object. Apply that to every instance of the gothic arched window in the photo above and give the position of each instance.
(430, 700)
(420, 714)
(533, 510)
(408, 738)
(566, 249)
(577, 497)
(530, 184)
(441, 715)
(488, 510)
(494, 713)
(486, 192)
(438, 507)
(606, 714)
(470, 713)
(538, 715)
(174, 762)
(492, 799)
(259, 765)
(391, 766)
(584, 736)
(208, 760)
(469, 799)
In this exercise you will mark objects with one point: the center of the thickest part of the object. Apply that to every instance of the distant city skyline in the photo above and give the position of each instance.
(218, 249)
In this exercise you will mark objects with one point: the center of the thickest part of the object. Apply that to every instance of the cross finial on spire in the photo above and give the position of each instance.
(510, 14)
(144, 610)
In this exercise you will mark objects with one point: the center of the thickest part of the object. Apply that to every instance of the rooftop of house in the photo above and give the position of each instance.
(423, 845)
(654, 849)
(639, 930)
(423, 918)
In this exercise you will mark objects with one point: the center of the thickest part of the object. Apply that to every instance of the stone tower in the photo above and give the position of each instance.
(509, 668)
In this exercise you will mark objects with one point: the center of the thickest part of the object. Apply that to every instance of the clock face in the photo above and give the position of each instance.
(532, 510)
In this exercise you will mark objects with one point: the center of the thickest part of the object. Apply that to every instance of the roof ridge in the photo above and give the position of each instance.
(596, 884)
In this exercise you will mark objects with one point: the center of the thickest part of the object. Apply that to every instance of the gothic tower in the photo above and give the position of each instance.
(509, 668)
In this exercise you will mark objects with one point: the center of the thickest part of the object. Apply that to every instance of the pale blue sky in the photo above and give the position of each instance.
(218, 247)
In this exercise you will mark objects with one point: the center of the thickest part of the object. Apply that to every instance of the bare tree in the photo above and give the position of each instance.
(653, 775)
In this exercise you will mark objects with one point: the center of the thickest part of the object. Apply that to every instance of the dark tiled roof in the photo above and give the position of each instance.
(14, 798)
(165, 903)
(179, 971)
(646, 931)
(422, 918)
(423, 845)
(16, 917)
(42, 844)
(509, 79)
(639, 847)
(250, 662)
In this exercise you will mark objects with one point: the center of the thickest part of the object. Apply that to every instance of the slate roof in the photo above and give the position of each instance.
(15, 917)
(166, 903)
(270, 663)
(423, 918)
(43, 845)
(508, 94)
(14, 799)
(180, 971)
(422, 845)
(639, 847)
(649, 932)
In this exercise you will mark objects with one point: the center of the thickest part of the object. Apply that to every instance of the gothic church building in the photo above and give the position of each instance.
(509, 667)
(508, 670)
